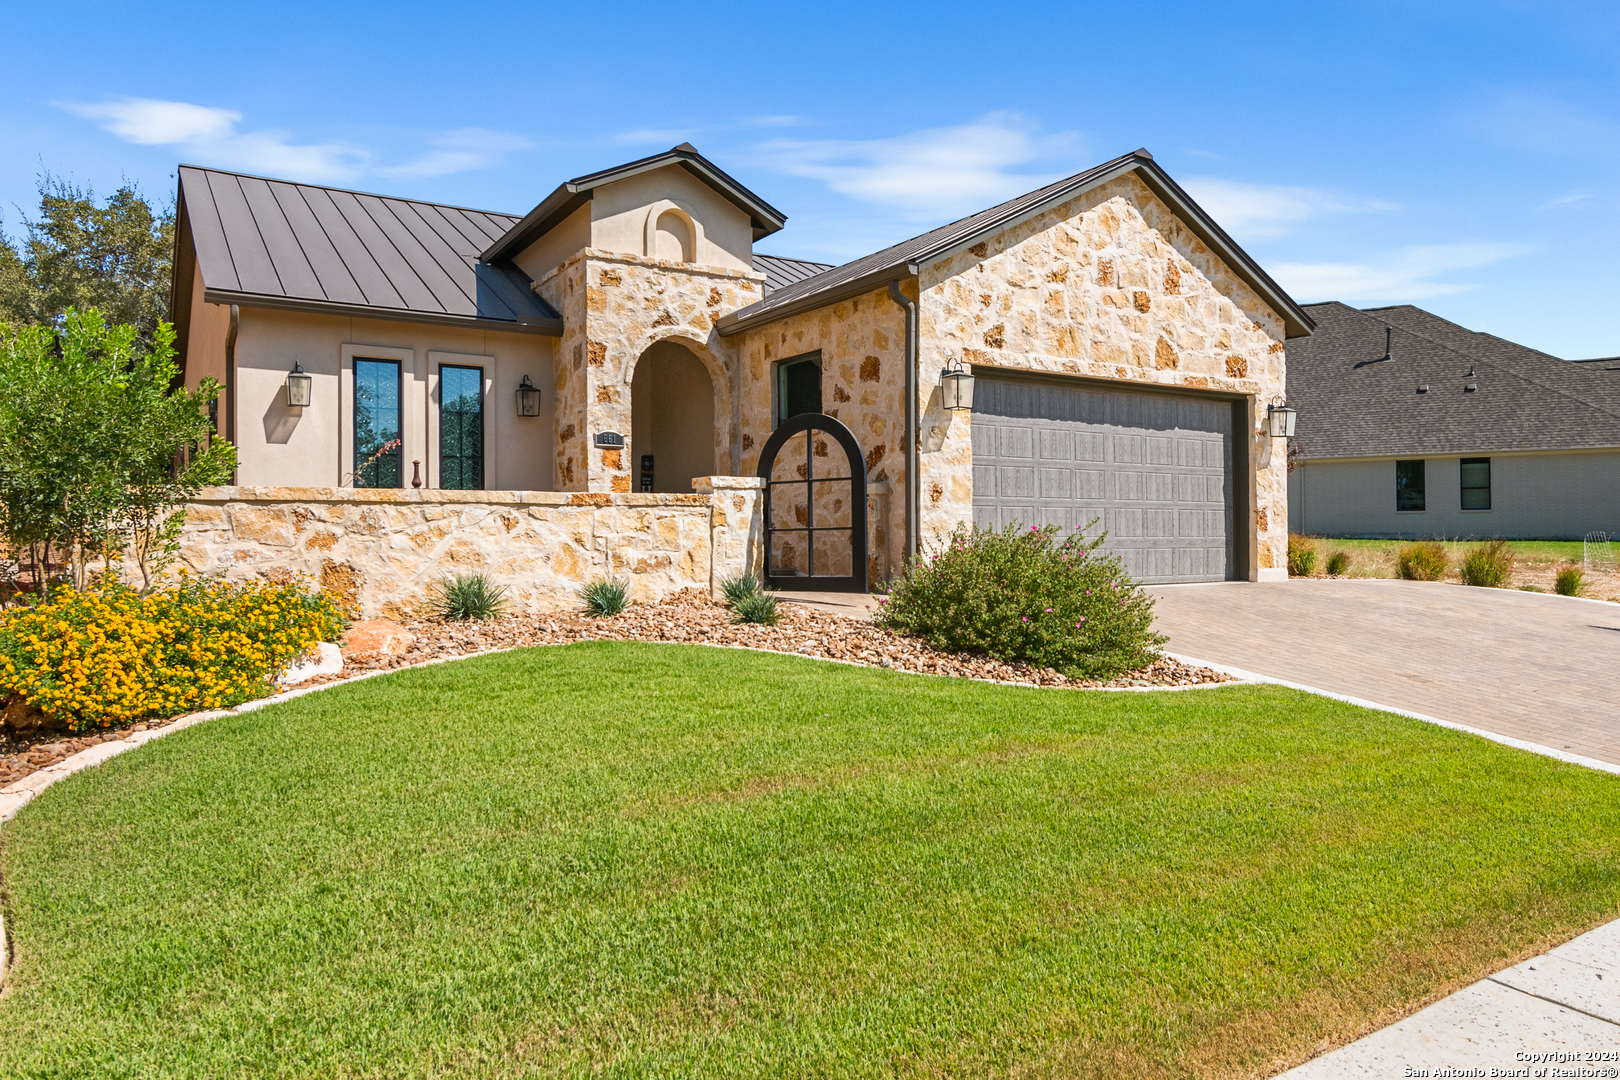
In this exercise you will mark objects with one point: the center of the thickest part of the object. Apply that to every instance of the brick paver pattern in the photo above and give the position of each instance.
(1536, 667)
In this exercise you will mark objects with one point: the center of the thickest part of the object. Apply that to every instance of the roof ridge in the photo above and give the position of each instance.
(347, 191)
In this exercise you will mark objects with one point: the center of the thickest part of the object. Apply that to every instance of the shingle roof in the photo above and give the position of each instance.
(780, 273)
(871, 271)
(1353, 404)
(273, 243)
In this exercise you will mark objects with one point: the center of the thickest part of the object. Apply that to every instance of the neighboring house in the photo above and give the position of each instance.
(1446, 432)
(1125, 351)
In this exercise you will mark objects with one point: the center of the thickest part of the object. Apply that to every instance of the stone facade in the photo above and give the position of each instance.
(1110, 285)
(383, 551)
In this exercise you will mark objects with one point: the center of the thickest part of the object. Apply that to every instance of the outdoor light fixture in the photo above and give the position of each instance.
(298, 387)
(956, 386)
(528, 398)
(1280, 420)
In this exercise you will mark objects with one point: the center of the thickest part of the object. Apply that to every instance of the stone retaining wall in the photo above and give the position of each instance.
(383, 551)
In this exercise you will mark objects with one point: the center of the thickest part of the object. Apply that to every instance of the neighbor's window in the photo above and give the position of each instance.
(377, 424)
(1476, 483)
(1409, 485)
(798, 387)
(461, 428)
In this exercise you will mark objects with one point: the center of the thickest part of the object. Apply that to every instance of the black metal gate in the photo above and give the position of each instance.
(815, 500)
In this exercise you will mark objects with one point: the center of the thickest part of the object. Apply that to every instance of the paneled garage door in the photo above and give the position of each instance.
(1153, 470)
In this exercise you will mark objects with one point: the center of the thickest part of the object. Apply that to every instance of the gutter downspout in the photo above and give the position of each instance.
(230, 379)
(913, 488)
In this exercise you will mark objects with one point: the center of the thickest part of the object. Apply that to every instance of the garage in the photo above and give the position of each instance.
(1154, 470)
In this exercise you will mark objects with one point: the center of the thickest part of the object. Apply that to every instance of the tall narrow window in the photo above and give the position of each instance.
(377, 424)
(1409, 492)
(798, 388)
(1476, 483)
(461, 428)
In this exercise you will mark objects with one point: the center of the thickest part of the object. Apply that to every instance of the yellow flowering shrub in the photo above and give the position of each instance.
(107, 656)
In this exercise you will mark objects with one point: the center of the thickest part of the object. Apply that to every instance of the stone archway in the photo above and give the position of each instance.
(672, 419)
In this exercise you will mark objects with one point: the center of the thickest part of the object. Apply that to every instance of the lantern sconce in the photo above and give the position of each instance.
(528, 398)
(1280, 419)
(299, 387)
(956, 386)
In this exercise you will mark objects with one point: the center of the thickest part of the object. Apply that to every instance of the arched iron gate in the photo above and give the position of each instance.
(815, 506)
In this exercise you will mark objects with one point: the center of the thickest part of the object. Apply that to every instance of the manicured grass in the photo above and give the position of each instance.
(651, 860)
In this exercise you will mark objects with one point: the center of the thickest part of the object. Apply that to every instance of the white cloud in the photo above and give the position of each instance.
(210, 136)
(932, 173)
(1565, 200)
(1261, 210)
(1407, 275)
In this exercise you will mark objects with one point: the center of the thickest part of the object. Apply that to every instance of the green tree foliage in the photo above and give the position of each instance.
(114, 257)
(98, 446)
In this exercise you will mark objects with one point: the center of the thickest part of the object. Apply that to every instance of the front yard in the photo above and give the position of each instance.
(640, 859)
(1536, 562)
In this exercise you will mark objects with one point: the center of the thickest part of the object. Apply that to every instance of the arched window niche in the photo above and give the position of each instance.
(672, 234)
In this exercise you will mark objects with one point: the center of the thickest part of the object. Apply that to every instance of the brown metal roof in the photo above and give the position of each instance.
(906, 258)
(272, 243)
(780, 272)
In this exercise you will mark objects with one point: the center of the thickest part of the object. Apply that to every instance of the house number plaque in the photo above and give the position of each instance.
(609, 439)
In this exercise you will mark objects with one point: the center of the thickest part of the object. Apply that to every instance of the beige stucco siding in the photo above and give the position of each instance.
(552, 249)
(306, 447)
(205, 340)
(1533, 496)
(1110, 285)
(620, 211)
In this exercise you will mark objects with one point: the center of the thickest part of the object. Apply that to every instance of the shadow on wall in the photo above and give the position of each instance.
(280, 420)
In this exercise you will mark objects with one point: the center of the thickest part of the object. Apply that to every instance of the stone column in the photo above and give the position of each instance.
(737, 525)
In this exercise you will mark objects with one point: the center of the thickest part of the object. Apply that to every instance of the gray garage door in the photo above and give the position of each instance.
(1153, 470)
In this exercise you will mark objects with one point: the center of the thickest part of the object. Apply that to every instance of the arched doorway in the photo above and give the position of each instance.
(672, 432)
(815, 506)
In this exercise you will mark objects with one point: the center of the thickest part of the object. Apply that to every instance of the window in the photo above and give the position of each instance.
(377, 424)
(1409, 485)
(461, 428)
(1476, 483)
(798, 387)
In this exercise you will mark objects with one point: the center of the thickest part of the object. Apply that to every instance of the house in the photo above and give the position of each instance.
(1411, 426)
(1124, 352)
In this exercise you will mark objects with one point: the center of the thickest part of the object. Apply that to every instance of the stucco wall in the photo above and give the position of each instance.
(1109, 285)
(205, 341)
(311, 446)
(384, 551)
(1533, 496)
(619, 213)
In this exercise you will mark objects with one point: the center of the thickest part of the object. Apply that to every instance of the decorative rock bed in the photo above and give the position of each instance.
(689, 618)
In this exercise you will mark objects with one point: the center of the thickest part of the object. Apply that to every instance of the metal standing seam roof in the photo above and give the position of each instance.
(1353, 404)
(867, 273)
(273, 243)
(781, 272)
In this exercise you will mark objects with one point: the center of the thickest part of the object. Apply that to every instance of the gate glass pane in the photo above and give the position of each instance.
(377, 424)
(461, 428)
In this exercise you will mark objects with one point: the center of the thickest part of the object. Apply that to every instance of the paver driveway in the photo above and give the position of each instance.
(1541, 668)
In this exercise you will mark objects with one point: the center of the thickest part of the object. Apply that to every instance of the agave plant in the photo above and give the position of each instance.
(470, 596)
(738, 588)
(758, 607)
(605, 596)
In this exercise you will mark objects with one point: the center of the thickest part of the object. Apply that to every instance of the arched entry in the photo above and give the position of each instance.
(815, 506)
(672, 433)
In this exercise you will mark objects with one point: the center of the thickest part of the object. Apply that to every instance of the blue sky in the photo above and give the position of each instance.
(1459, 156)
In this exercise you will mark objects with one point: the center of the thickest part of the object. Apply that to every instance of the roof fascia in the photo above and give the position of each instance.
(544, 326)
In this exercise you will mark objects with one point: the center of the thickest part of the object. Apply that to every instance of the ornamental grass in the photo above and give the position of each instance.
(107, 656)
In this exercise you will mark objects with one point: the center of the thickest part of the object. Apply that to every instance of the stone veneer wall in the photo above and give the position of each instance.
(383, 551)
(614, 308)
(1111, 285)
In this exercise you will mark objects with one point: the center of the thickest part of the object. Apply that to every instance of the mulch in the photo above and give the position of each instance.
(689, 618)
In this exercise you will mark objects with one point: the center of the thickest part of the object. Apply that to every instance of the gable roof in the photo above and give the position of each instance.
(781, 272)
(908, 257)
(1352, 403)
(272, 243)
(570, 195)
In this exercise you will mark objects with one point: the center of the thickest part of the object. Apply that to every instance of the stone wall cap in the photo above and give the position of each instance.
(280, 496)
(705, 484)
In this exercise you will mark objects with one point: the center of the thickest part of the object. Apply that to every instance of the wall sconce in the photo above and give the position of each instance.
(1280, 420)
(956, 386)
(528, 398)
(299, 387)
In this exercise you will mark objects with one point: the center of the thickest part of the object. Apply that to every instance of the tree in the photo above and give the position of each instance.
(98, 445)
(115, 258)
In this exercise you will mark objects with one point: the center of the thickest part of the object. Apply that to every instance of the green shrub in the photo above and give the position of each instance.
(1338, 564)
(1301, 555)
(470, 596)
(756, 607)
(1022, 595)
(738, 588)
(605, 596)
(1488, 565)
(1425, 560)
(1571, 581)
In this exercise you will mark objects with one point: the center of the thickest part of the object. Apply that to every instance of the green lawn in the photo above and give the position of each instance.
(659, 860)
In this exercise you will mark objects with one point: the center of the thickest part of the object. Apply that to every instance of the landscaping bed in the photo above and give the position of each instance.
(1535, 567)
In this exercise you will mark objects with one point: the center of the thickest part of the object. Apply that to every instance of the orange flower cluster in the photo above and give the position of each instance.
(108, 656)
